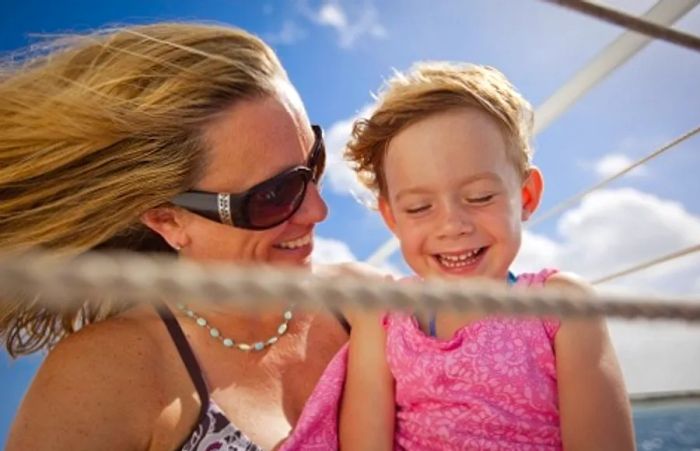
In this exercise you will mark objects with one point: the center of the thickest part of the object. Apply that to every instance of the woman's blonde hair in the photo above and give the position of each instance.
(430, 88)
(96, 129)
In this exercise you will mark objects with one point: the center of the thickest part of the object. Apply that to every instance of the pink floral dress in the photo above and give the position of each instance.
(492, 386)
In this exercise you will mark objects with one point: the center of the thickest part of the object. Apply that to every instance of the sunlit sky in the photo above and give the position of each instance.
(338, 52)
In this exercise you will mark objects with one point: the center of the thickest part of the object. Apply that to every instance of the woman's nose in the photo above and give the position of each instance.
(313, 208)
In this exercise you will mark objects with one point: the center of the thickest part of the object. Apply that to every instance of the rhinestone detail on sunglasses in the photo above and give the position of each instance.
(224, 202)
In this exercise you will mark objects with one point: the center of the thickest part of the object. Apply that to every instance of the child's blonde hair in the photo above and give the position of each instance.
(434, 87)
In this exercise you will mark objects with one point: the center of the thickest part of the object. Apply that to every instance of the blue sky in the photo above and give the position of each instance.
(338, 52)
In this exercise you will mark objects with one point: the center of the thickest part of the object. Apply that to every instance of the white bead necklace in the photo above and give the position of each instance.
(230, 343)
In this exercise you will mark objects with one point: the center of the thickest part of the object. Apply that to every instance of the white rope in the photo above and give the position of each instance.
(614, 55)
(55, 282)
(563, 205)
(647, 264)
(384, 251)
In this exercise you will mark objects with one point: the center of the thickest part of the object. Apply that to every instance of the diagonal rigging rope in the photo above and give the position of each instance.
(647, 264)
(633, 23)
(563, 205)
(53, 283)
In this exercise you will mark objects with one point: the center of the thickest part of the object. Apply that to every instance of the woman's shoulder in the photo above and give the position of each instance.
(124, 351)
(124, 339)
(104, 375)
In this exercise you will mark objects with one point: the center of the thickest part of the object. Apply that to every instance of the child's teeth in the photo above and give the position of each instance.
(464, 256)
(453, 261)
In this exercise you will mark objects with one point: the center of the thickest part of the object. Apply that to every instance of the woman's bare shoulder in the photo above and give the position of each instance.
(123, 342)
(97, 386)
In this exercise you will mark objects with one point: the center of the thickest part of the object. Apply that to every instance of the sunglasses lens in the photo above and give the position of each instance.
(317, 158)
(276, 203)
(319, 166)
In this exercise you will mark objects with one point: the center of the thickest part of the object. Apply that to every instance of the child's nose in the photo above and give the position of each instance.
(456, 222)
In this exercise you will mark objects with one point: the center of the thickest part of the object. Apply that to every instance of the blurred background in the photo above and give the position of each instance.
(338, 52)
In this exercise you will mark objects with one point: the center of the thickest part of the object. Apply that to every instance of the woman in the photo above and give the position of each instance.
(132, 138)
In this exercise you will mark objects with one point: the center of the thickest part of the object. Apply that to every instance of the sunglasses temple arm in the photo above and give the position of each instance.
(204, 204)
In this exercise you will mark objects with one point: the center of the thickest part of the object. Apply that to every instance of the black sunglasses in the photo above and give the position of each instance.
(265, 205)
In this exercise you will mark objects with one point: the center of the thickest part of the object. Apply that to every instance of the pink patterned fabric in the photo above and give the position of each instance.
(492, 386)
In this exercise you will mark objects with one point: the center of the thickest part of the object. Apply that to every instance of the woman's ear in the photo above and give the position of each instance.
(167, 222)
(531, 193)
(387, 214)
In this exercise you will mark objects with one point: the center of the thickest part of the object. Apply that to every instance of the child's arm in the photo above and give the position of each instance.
(593, 402)
(367, 407)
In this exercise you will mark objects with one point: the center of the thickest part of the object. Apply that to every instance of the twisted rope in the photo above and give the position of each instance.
(633, 23)
(53, 282)
(648, 264)
(563, 205)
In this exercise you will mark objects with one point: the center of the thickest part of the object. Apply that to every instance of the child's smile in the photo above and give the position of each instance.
(461, 262)
(454, 198)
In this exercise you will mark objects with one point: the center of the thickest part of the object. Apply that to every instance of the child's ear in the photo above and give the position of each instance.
(169, 223)
(387, 214)
(532, 189)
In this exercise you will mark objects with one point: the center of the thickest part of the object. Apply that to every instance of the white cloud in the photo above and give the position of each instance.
(615, 229)
(291, 33)
(351, 27)
(537, 251)
(611, 164)
(619, 158)
(612, 229)
(341, 177)
(328, 251)
(332, 15)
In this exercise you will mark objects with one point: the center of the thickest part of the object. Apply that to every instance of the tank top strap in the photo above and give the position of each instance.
(432, 321)
(342, 320)
(186, 354)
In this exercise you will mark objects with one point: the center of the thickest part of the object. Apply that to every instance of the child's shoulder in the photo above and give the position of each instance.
(535, 279)
(554, 278)
(569, 282)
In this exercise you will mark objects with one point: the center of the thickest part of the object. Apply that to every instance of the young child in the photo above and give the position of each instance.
(447, 151)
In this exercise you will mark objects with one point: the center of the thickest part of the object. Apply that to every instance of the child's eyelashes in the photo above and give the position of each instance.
(416, 210)
(482, 199)
(486, 198)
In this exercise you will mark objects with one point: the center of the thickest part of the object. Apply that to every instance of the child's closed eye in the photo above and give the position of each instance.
(479, 200)
(417, 209)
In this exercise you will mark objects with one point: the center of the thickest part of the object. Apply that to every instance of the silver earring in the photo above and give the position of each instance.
(177, 247)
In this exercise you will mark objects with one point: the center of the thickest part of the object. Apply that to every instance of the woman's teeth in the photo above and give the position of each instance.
(456, 261)
(294, 244)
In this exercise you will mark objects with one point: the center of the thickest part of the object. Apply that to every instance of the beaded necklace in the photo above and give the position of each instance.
(230, 343)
